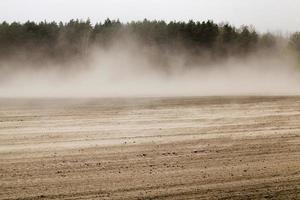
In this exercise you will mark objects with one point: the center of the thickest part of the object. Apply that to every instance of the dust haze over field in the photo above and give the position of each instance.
(131, 70)
(219, 117)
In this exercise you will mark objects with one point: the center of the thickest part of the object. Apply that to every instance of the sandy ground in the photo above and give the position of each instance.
(152, 148)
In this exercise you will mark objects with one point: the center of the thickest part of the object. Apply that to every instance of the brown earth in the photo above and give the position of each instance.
(150, 148)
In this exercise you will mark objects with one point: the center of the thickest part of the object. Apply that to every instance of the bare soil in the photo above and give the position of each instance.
(150, 148)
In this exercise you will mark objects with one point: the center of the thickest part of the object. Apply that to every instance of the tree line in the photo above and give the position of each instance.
(62, 41)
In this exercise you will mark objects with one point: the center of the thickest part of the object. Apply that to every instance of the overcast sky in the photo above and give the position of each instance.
(265, 15)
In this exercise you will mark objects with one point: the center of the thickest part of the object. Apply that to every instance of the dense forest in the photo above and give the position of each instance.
(76, 38)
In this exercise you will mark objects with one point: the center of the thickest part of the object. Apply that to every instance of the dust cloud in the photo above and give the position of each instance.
(130, 70)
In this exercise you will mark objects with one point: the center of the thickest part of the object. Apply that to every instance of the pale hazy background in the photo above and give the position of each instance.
(265, 15)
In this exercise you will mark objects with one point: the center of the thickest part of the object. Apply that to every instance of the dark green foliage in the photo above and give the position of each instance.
(63, 41)
(268, 41)
(247, 40)
(295, 42)
(294, 45)
(104, 33)
(227, 40)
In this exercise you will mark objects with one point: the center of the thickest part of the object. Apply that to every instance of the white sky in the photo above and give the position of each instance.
(265, 15)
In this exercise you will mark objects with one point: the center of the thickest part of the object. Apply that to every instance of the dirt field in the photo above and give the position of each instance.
(172, 148)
